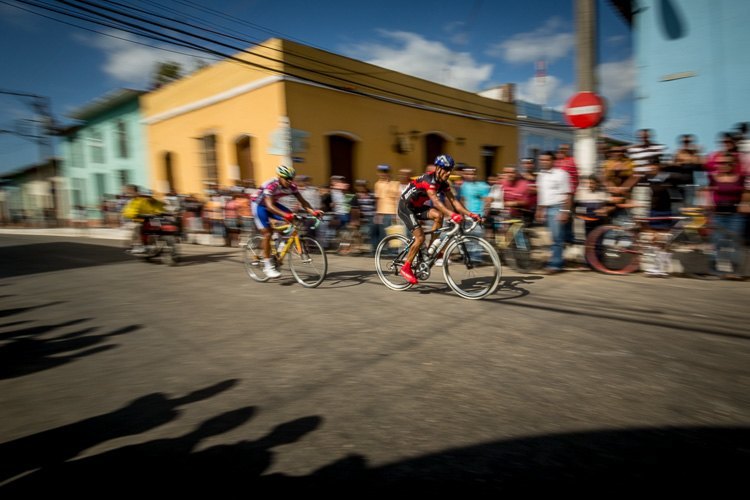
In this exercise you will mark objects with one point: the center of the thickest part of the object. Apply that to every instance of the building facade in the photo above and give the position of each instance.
(693, 67)
(105, 151)
(283, 102)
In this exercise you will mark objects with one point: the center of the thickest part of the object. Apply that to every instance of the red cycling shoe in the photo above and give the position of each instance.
(407, 274)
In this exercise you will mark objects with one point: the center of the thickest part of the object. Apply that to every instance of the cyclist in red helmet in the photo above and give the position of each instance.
(413, 204)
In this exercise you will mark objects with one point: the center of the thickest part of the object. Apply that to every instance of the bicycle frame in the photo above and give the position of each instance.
(454, 233)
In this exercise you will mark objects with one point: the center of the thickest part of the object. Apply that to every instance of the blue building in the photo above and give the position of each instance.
(541, 129)
(693, 66)
(105, 151)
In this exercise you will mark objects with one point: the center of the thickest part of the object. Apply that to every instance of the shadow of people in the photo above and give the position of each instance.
(24, 355)
(605, 463)
(51, 448)
(172, 466)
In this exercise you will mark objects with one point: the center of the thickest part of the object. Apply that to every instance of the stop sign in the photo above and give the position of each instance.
(585, 110)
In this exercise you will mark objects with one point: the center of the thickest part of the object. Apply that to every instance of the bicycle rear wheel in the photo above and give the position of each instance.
(310, 266)
(253, 257)
(613, 250)
(389, 258)
(472, 267)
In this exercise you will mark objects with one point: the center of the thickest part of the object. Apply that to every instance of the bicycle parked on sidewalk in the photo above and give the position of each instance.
(307, 260)
(514, 243)
(619, 249)
(471, 266)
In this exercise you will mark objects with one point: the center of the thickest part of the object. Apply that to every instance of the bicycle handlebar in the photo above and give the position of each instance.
(456, 225)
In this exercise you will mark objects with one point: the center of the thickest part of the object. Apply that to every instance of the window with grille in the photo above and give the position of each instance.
(97, 146)
(121, 132)
(208, 153)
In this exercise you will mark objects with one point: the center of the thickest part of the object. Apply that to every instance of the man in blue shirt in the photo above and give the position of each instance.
(474, 194)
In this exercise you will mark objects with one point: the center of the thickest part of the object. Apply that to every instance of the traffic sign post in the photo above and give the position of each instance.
(585, 110)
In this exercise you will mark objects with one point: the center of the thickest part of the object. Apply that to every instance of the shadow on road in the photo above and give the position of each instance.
(19, 310)
(49, 451)
(22, 260)
(30, 350)
(603, 463)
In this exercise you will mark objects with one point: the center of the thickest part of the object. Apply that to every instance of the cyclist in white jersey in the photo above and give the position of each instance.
(266, 207)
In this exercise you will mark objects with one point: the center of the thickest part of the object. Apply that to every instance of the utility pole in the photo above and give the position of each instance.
(585, 147)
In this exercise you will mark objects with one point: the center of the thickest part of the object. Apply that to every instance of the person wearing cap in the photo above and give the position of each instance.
(386, 192)
(142, 204)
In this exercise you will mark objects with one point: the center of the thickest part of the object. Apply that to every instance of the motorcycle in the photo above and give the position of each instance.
(159, 237)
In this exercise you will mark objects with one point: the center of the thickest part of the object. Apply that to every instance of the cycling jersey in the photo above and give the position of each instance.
(415, 195)
(275, 191)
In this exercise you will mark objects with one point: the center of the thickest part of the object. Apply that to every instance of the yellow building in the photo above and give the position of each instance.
(283, 102)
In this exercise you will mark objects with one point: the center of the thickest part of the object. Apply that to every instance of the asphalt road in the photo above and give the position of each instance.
(125, 377)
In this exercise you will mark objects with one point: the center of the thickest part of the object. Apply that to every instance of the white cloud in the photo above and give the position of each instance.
(550, 42)
(551, 91)
(617, 79)
(133, 64)
(414, 55)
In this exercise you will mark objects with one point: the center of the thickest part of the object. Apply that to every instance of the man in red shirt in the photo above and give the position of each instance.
(566, 162)
(517, 192)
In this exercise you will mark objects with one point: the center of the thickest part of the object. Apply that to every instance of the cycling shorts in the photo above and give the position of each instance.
(263, 216)
(410, 215)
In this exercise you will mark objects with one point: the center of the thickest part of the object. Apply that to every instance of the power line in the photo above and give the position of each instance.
(152, 34)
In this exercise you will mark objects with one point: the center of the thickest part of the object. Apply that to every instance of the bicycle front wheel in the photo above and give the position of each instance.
(309, 267)
(472, 267)
(389, 258)
(253, 256)
(613, 250)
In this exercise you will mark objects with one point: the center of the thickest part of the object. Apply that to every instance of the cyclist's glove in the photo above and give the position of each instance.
(457, 218)
(289, 216)
(318, 213)
(475, 216)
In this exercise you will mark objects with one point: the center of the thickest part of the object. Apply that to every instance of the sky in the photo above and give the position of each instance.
(473, 45)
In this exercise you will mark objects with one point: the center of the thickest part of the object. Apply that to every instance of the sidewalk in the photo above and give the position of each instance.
(107, 233)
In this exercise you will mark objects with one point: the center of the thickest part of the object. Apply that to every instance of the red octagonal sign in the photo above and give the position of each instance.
(585, 110)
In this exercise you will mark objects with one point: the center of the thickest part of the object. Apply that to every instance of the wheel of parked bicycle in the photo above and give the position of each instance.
(613, 250)
(169, 252)
(389, 258)
(520, 255)
(349, 241)
(472, 267)
(253, 257)
(310, 265)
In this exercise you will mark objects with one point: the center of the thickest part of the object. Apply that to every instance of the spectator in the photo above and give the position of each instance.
(644, 151)
(731, 201)
(687, 161)
(565, 161)
(555, 202)
(387, 193)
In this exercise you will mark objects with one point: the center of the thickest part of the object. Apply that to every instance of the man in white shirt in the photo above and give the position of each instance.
(553, 207)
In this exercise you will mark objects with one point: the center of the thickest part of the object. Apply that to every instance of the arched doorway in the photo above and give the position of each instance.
(341, 154)
(434, 145)
(244, 158)
(169, 171)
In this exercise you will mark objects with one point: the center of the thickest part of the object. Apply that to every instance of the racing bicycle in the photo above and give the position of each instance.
(471, 266)
(307, 260)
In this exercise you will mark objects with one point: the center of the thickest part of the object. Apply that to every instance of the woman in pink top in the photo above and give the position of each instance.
(731, 200)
